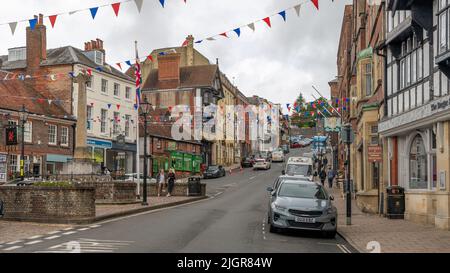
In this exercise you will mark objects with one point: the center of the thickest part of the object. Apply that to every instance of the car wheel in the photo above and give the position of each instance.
(273, 229)
(330, 234)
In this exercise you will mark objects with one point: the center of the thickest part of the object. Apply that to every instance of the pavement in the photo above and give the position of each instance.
(233, 219)
(374, 233)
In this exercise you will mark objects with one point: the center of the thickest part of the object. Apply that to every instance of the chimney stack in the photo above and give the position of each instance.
(169, 68)
(36, 40)
(95, 45)
(190, 50)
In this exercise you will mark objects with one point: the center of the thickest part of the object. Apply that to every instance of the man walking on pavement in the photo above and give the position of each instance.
(331, 175)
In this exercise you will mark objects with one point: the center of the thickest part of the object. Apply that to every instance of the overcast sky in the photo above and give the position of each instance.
(275, 63)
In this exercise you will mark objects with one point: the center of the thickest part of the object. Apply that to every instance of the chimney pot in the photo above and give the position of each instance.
(41, 19)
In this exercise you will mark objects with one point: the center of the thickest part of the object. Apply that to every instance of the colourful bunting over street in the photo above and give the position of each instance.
(267, 20)
(238, 31)
(53, 20)
(316, 3)
(116, 7)
(283, 14)
(162, 3)
(33, 23)
(93, 12)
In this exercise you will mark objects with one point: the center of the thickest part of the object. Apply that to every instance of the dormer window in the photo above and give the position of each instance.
(17, 54)
(95, 55)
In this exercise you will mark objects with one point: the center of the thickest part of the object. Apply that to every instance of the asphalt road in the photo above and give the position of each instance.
(232, 220)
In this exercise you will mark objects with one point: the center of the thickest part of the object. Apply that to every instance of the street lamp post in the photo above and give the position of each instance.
(347, 138)
(23, 116)
(145, 110)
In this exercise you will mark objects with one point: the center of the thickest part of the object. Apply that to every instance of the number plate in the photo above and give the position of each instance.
(305, 220)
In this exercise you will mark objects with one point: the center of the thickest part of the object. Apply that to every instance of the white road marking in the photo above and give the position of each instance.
(69, 232)
(34, 237)
(341, 247)
(83, 229)
(52, 237)
(251, 178)
(12, 248)
(54, 232)
(345, 248)
(95, 226)
(34, 242)
(88, 245)
(14, 242)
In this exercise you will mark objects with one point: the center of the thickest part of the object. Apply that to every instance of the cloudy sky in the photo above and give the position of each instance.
(275, 63)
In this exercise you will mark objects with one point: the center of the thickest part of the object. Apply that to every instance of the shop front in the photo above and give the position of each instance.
(184, 164)
(54, 163)
(121, 157)
(98, 148)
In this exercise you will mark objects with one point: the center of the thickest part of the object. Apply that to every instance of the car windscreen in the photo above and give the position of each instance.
(213, 168)
(301, 190)
(297, 169)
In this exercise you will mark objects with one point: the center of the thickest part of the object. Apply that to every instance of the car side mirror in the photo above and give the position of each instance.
(331, 197)
(269, 189)
(283, 172)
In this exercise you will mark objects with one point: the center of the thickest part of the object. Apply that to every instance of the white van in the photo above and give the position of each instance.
(299, 166)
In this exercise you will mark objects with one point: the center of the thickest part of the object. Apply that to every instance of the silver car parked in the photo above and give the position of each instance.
(302, 205)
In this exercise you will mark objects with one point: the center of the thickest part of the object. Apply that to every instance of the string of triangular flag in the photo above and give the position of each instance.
(92, 11)
(267, 20)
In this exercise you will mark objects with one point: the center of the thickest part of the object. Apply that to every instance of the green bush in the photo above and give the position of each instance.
(53, 184)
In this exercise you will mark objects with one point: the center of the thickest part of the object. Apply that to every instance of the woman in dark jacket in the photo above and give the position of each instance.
(171, 182)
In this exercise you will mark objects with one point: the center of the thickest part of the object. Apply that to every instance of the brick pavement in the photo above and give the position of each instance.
(393, 235)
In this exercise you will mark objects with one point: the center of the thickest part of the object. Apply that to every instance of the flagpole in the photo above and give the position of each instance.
(138, 154)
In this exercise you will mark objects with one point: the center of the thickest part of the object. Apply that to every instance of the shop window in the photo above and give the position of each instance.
(52, 134)
(418, 164)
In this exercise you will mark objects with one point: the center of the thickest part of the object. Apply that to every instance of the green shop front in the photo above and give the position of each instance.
(183, 163)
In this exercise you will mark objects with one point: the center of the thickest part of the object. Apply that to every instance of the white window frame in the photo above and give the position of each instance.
(127, 92)
(28, 132)
(65, 136)
(127, 125)
(103, 120)
(55, 142)
(116, 89)
(89, 110)
(104, 86)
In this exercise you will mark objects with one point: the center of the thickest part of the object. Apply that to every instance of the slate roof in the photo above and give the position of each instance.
(66, 55)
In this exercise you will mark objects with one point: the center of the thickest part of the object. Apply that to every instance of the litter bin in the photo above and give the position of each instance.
(395, 202)
(194, 186)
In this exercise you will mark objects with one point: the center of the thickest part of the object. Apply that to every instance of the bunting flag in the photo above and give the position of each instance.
(316, 3)
(139, 4)
(252, 26)
(297, 10)
(52, 19)
(33, 23)
(283, 14)
(150, 57)
(93, 12)
(116, 7)
(13, 26)
(118, 106)
(288, 107)
(224, 35)
(162, 3)
(267, 21)
(119, 65)
(238, 31)
(109, 105)
(128, 63)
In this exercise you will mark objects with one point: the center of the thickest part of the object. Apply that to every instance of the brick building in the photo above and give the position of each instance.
(110, 93)
(194, 86)
(48, 133)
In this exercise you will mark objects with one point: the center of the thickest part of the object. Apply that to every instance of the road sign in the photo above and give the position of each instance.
(375, 153)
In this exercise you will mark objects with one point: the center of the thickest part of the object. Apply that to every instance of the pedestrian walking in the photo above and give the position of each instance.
(322, 176)
(331, 175)
(171, 182)
(160, 181)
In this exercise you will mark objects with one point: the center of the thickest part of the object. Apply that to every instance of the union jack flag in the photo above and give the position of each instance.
(138, 75)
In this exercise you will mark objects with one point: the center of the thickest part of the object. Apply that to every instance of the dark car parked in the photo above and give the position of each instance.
(214, 171)
(247, 162)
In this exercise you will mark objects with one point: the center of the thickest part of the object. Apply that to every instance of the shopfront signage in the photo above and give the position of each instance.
(99, 143)
(375, 153)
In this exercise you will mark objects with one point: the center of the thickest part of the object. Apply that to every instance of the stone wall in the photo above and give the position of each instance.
(48, 204)
(180, 189)
(80, 178)
(114, 192)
